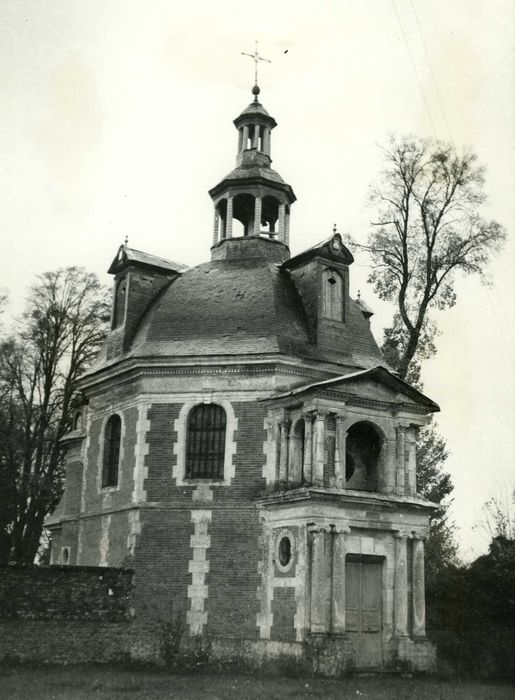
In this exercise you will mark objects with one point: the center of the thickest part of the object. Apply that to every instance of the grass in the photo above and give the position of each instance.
(104, 683)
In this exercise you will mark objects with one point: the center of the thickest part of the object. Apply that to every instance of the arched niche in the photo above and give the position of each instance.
(363, 453)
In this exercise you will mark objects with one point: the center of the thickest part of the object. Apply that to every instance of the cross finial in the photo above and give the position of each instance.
(255, 57)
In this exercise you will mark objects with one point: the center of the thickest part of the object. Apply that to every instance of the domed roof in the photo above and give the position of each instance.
(255, 109)
(241, 306)
(225, 307)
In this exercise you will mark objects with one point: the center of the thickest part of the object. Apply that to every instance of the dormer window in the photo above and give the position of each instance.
(119, 303)
(332, 297)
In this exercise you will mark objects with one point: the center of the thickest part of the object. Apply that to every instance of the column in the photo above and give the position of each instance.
(411, 461)
(245, 138)
(401, 434)
(283, 458)
(419, 598)
(281, 235)
(319, 448)
(338, 592)
(307, 467)
(287, 228)
(341, 447)
(216, 224)
(255, 137)
(240, 140)
(390, 465)
(228, 218)
(266, 141)
(257, 216)
(400, 597)
(294, 459)
(321, 565)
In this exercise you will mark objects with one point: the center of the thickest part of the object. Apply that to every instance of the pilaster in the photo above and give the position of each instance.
(419, 601)
(284, 426)
(400, 603)
(411, 462)
(338, 592)
(321, 574)
(341, 447)
(401, 436)
(307, 467)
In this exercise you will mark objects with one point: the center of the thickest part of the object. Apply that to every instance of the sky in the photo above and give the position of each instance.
(117, 118)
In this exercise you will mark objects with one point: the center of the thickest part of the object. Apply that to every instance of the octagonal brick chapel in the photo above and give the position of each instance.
(241, 443)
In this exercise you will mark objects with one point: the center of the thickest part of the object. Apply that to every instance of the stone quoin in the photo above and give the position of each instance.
(242, 445)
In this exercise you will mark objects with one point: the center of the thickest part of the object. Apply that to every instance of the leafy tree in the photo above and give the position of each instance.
(51, 346)
(435, 484)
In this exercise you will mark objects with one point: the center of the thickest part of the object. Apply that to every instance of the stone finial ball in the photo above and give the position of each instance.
(256, 90)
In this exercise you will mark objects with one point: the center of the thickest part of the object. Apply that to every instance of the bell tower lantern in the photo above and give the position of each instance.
(253, 201)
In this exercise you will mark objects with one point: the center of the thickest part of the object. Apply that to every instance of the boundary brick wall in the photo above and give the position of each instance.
(65, 593)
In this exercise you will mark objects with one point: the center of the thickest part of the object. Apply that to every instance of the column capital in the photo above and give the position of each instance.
(319, 528)
(285, 423)
(341, 417)
(308, 415)
(401, 535)
(419, 536)
(341, 529)
(321, 413)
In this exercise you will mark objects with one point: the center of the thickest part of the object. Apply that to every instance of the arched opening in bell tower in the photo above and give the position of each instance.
(243, 211)
(269, 216)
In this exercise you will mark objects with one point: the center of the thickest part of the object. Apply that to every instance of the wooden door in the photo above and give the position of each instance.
(364, 610)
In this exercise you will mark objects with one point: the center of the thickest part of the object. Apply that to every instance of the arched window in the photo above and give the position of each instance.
(205, 442)
(119, 303)
(77, 421)
(112, 434)
(332, 297)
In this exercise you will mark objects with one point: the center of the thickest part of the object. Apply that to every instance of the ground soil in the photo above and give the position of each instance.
(103, 683)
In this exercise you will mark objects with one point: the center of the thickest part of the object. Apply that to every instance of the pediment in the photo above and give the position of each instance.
(332, 248)
(377, 385)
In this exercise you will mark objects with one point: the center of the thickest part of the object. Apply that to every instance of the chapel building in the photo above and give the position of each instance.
(242, 444)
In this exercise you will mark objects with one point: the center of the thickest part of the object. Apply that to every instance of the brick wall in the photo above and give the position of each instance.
(165, 559)
(65, 593)
(283, 611)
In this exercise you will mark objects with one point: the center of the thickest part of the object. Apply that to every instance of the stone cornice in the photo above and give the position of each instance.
(142, 505)
(350, 400)
(131, 369)
(344, 496)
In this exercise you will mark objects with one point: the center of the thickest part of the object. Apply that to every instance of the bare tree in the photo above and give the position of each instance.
(40, 363)
(498, 515)
(428, 228)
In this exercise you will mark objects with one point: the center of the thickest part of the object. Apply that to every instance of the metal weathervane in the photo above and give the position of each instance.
(255, 57)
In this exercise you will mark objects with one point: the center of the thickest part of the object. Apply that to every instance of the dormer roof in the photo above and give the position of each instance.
(331, 248)
(129, 256)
